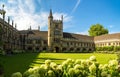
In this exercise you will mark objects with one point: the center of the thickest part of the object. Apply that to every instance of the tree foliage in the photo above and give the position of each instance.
(97, 29)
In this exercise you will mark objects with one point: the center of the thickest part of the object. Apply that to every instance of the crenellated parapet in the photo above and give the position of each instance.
(57, 21)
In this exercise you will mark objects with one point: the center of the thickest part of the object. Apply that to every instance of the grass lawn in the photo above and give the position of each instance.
(21, 62)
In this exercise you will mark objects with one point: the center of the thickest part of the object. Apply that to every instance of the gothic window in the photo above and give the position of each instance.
(113, 43)
(67, 44)
(29, 41)
(56, 26)
(45, 42)
(57, 32)
(116, 43)
(37, 41)
(56, 40)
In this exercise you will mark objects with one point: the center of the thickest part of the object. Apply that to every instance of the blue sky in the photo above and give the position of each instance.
(79, 15)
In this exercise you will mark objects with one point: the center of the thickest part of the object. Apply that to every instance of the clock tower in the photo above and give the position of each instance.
(55, 33)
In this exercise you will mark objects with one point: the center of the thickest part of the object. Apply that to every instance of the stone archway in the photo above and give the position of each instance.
(64, 49)
(37, 49)
(83, 49)
(72, 49)
(44, 48)
(57, 49)
(30, 48)
(77, 49)
(90, 50)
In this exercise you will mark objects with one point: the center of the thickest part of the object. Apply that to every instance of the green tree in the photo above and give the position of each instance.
(97, 29)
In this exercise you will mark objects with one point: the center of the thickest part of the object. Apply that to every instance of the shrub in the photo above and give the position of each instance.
(74, 68)
(17, 51)
(2, 52)
(106, 48)
(118, 57)
(93, 58)
(109, 49)
(17, 74)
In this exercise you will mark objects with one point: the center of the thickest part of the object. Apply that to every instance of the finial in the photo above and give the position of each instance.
(30, 27)
(15, 26)
(12, 22)
(8, 19)
(50, 15)
(50, 12)
(2, 12)
(62, 17)
(38, 27)
(3, 6)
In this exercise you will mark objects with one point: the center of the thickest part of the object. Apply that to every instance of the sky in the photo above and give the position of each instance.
(78, 15)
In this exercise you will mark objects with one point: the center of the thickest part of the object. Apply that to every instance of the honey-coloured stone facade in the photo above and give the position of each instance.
(53, 40)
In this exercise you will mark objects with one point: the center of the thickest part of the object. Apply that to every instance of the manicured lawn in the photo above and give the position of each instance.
(21, 62)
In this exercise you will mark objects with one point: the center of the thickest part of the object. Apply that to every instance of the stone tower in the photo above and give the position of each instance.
(55, 33)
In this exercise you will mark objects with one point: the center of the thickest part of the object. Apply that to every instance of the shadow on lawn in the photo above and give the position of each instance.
(22, 62)
(17, 62)
(39, 61)
(46, 58)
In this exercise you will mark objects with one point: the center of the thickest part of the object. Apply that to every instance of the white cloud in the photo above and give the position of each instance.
(11, 1)
(23, 13)
(111, 26)
(66, 17)
(76, 5)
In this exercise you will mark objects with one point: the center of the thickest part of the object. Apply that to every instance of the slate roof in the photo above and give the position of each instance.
(77, 36)
(36, 34)
(107, 36)
(23, 31)
(43, 35)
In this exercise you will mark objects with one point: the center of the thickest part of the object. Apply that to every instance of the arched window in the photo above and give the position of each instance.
(56, 26)
(38, 41)
(57, 32)
(108, 43)
(29, 41)
(57, 40)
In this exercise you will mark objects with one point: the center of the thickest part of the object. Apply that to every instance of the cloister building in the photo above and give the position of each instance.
(53, 40)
